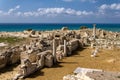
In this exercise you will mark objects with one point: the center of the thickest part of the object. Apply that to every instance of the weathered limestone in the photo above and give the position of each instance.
(26, 68)
(3, 44)
(103, 34)
(94, 31)
(15, 57)
(94, 53)
(54, 50)
(29, 66)
(81, 74)
(86, 34)
(3, 61)
(65, 49)
(59, 52)
(40, 60)
(74, 44)
(92, 45)
(10, 56)
(36, 59)
(64, 28)
(30, 56)
(48, 58)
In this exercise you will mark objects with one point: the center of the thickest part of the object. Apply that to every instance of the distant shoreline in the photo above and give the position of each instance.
(59, 23)
(18, 27)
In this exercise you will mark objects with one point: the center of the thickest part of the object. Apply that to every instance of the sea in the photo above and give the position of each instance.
(17, 27)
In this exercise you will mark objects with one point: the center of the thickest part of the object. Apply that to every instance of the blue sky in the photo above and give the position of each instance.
(59, 11)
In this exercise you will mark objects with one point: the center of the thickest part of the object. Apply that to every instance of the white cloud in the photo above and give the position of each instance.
(70, 11)
(28, 14)
(50, 10)
(19, 13)
(92, 1)
(87, 13)
(68, 0)
(54, 12)
(113, 6)
(13, 9)
(103, 8)
(46, 12)
(17, 7)
(10, 11)
(77, 13)
(1, 11)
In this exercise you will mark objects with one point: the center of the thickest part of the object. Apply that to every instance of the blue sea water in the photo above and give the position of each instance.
(12, 27)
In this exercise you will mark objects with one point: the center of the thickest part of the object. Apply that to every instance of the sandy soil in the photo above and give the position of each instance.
(107, 60)
(8, 72)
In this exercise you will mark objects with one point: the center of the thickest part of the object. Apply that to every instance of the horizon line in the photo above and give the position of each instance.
(55, 23)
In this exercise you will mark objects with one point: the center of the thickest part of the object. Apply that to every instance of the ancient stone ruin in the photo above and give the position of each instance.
(49, 47)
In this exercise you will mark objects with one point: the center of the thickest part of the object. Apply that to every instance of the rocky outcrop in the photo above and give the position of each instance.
(10, 56)
(3, 61)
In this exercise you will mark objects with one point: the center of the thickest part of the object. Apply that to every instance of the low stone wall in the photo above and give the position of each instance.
(73, 45)
(32, 61)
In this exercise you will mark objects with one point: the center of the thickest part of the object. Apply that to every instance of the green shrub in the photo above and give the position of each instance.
(10, 39)
(83, 27)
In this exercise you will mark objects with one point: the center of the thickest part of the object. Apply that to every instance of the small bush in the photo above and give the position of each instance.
(29, 29)
(83, 27)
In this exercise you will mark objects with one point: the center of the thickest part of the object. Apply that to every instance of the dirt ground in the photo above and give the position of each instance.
(108, 60)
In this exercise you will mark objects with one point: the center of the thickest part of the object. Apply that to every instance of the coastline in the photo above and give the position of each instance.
(19, 27)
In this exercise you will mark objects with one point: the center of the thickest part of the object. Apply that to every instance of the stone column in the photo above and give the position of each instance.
(94, 31)
(65, 49)
(54, 50)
